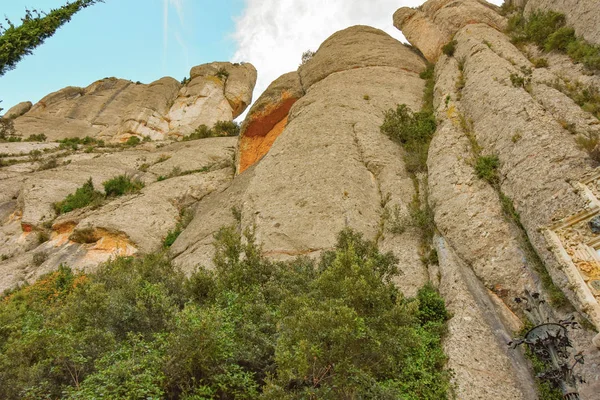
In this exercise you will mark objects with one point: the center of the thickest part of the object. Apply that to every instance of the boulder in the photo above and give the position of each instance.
(357, 47)
(18, 110)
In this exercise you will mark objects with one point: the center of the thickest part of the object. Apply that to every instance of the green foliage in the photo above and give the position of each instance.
(486, 168)
(37, 138)
(540, 62)
(185, 217)
(221, 128)
(83, 197)
(222, 74)
(133, 141)
(19, 41)
(413, 131)
(548, 31)
(449, 48)
(252, 328)
(72, 143)
(7, 128)
(429, 75)
(121, 185)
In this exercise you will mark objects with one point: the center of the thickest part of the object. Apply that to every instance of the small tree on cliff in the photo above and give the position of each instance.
(19, 41)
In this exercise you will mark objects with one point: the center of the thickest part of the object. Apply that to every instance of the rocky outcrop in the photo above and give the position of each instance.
(581, 14)
(176, 177)
(330, 167)
(115, 109)
(434, 24)
(18, 110)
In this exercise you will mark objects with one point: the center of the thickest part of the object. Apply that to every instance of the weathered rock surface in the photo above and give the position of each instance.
(122, 226)
(434, 24)
(267, 118)
(115, 109)
(582, 15)
(18, 110)
(489, 370)
(357, 47)
(330, 167)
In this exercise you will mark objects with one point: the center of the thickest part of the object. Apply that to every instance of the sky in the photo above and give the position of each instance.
(144, 40)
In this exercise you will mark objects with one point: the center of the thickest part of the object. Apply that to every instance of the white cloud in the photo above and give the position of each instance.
(178, 5)
(273, 34)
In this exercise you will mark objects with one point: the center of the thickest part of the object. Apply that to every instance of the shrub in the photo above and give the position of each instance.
(449, 48)
(226, 128)
(138, 328)
(548, 31)
(133, 141)
(222, 74)
(517, 80)
(221, 128)
(122, 184)
(37, 138)
(486, 168)
(40, 258)
(307, 56)
(83, 197)
(413, 131)
(540, 62)
(560, 39)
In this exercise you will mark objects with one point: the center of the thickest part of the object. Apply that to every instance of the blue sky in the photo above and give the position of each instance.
(122, 38)
(144, 40)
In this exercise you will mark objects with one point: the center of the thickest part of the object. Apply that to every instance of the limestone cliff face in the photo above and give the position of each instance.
(115, 109)
(532, 130)
(35, 176)
(329, 166)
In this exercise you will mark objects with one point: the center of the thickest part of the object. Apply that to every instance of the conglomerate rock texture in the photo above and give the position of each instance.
(311, 160)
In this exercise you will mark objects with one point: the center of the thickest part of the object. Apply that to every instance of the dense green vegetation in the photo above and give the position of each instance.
(449, 48)
(413, 130)
(19, 41)
(122, 184)
(252, 328)
(83, 197)
(88, 196)
(221, 128)
(549, 31)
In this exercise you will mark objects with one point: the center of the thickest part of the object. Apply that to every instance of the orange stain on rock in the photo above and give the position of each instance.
(264, 127)
(253, 148)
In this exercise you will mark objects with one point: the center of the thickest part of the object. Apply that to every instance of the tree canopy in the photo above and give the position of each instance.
(19, 41)
(249, 329)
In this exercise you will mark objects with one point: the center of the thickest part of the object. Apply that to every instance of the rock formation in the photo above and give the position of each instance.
(115, 109)
(311, 160)
(434, 24)
(329, 167)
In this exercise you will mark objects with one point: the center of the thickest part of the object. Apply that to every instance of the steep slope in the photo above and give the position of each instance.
(330, 167)
(36, 237)
(493, 105)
